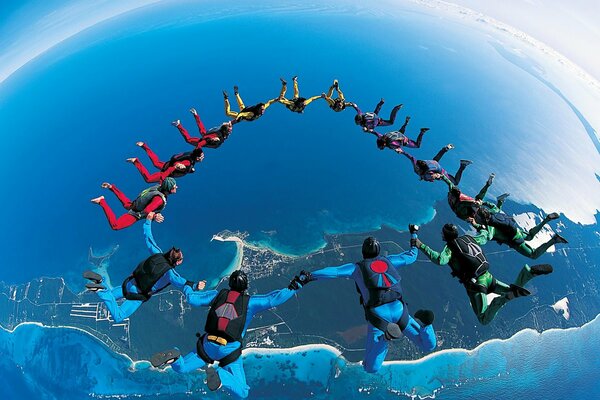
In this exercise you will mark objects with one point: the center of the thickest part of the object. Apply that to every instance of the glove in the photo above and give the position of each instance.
(413, 228)
(415, 243)
(300, 280)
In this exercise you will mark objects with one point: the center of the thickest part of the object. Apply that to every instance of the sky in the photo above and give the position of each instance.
(28, 29)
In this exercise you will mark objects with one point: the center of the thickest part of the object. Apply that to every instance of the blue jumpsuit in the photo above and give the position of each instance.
(232, 376)
(128, 307)
(377, 344)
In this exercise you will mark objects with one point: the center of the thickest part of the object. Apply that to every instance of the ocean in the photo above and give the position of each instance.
(63, 363)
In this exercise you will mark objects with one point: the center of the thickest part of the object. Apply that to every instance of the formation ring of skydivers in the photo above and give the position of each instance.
(377, 277)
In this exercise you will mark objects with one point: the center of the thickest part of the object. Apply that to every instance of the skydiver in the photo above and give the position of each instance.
(152, 199)
(470, 266)
(213, 138)
(430, 170)
(504, 229)
(465, 206)
(231, 311)
(178, 165)
(396, 139)
(295, 104)
(378, 281)
(370, 120)
(250, 113)
(339, 103)
(151, 276)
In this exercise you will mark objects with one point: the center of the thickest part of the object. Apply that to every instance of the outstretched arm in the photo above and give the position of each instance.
(343, 271)
(199, 299)
(406, 258)
(155, 203)
(441, 258)
(264, 302)
(355, 106)
(448, 182)
(149, 238)
(268, 103)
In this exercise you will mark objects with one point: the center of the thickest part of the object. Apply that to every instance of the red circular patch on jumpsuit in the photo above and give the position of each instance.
(379, 266)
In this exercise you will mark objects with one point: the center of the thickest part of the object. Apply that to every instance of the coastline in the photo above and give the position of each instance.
(323, 364)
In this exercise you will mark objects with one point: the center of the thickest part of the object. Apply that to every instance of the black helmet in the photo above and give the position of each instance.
(449, 232)
(370, 248)
(358, 119)
(238, 281)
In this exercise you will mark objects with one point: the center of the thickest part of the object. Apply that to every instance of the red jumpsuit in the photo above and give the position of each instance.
(126, 220)
(160, 175)
(206, 139)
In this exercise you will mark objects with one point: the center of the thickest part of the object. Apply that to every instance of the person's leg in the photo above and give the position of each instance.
(441, 153)
(199, 124)
(378, 106)
(115, 223)
(153, 157)
(148, 177)
(330, 92)
(524, 276)
(484, 189)
(238, 98)
(415, 144)
(121, 196)
(377, 348)
(118, 312)
(186, 135)
(392, 116)
(534, 231)
(544, 247)
(523, 248)
(403, 127)
(422, 336)
(190, 362)
(283, 89)
(233, 378)
(458, 175)
(228, 111)
(485, 313)
(296, 90)
(340, 94)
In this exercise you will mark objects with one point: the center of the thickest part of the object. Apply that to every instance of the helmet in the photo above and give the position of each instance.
(167, 185)
(238, 281)
(370, 248)
(358, 119)
(449, 232)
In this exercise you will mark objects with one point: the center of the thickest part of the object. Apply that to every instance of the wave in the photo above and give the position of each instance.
(64, 363)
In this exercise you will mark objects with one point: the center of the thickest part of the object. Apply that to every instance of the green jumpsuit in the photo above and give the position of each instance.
(484, 284)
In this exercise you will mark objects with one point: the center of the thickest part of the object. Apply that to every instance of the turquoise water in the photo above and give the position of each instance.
(68, 364)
